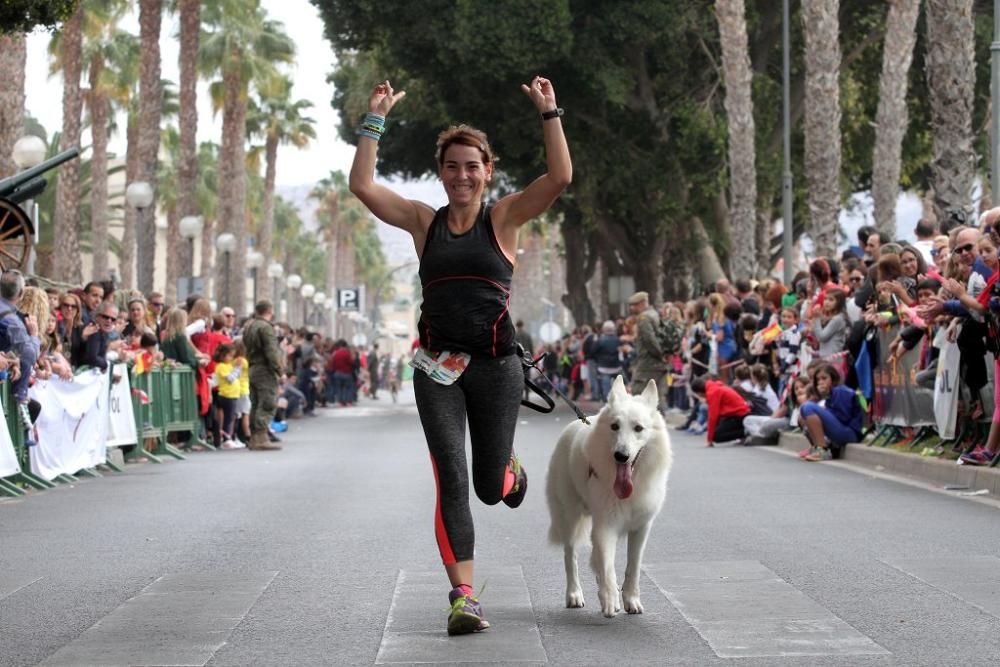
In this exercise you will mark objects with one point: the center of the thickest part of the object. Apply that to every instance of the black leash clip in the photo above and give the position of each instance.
(527, 363)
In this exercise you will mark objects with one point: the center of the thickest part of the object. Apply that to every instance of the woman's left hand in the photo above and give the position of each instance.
(541, 93)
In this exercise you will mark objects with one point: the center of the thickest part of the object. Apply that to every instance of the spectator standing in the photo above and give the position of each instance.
(649, 363)
(71, 328)
(93, 295)
(341, 368)
(522, 336)
(18, 335)
(97, 348)
(925, 233)
(373, 369)
(265, 366)
(606, 354)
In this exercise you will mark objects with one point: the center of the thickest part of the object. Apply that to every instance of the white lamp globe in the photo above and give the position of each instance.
(330, 303)
(139, 194)
(29, 151)
(190, 226)
(319, 298)
(255, 259)
(294, 281)
(308, 290)
(225, 242)
(275, 270)
(214, 305)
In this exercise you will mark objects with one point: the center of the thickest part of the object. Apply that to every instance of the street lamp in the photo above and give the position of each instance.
(274, 271)
(139, 195)
(319, 298)
(226, 244)
(190, 228)
(307, 292)
(29, 151)
(293, 282)
(255, 260)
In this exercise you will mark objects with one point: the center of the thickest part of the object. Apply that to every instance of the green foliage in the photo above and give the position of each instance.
(23, 16)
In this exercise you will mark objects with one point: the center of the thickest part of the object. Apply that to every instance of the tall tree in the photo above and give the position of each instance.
(150, 109)
(738, 78)
(13, 56)
(822, 116)
(951, 79)
(66, 241)
(279, 120)
(190, 34)
(892, 118)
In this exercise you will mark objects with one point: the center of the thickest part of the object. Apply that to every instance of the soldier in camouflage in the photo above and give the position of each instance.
(264, 357)
(649, 363)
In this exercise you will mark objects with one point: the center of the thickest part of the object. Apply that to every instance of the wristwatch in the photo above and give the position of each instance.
(554, 113)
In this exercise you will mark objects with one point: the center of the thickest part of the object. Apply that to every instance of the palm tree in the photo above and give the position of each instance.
(13, 56)
(951, 77)
(891, 119)
(242, 45)
(822, 127)
(731, 16)
(190, 33)
(102, 44)
(207, 202)
(168, 197)
(278, 120)
(66, 243)
(150, 109)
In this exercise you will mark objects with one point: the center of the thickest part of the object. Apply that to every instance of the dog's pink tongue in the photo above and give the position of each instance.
(623, 481)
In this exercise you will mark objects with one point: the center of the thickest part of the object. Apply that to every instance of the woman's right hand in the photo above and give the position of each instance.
(383, 99)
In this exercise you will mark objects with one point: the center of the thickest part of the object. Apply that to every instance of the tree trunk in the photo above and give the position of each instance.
(173, 247)
(13, 56)
(710, 268)
(891, 119)
(187, 169)
(127, 259)
(98, 171)
(764, 232)
(232, 196)
(207, 252)
(739, 115)
(66, 241)
(580, 261)
(951, 77)
(266, 232)
(822, 128)
(150, 107)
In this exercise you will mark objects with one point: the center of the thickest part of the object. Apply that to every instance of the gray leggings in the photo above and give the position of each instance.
(489, 392)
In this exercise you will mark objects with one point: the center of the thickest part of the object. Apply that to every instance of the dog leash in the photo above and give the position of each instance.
(527, 362)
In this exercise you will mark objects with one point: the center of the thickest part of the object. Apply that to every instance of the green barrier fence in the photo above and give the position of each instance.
(14, 485)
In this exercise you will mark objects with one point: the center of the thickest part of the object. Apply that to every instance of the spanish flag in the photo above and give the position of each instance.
(771, 333)
(143, 361)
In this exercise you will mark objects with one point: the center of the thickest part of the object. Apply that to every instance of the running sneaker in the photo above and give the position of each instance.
(979, 456)
(819, 454)
(517, 492)
(806, 451)
(466, 615)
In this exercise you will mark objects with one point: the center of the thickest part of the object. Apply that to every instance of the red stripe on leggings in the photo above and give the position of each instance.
(444, 544)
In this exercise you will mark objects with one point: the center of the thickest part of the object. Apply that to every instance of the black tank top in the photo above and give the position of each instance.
(466, 288)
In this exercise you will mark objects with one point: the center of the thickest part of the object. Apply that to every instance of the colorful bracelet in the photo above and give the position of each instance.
(373, 126)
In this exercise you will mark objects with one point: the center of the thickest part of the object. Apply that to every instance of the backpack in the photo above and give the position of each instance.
(669, 333)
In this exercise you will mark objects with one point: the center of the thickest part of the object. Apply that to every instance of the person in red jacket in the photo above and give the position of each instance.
(726, 410)
(341, 371)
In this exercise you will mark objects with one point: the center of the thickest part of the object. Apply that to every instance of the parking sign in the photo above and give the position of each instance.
(348, 298)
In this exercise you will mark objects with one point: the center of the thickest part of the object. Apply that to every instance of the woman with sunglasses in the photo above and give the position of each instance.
(71, 329)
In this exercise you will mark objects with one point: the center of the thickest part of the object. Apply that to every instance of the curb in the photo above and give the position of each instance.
(929, 470)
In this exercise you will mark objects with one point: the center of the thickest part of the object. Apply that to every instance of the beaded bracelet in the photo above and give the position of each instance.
(372, 127)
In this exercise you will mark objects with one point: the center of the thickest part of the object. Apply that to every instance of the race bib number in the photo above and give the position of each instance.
(443, 367)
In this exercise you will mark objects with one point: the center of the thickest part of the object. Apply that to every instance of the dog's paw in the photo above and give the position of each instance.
(610, 602)
(574, 599)
(632, 604)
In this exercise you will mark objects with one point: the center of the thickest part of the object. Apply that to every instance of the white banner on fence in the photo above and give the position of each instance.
(72, 427)
(8, 457)
(946, 383)
(121, 425)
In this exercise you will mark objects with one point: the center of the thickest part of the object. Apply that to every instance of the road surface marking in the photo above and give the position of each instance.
(179, 619)
(971, 579)
(416, 626)
(743, 609)
(10, 584)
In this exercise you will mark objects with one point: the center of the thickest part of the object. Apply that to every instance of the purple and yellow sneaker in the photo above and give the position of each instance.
(980, 456)
(466, 615)
(517, 492)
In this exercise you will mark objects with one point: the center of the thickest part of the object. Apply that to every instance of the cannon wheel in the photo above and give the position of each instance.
(15, 236)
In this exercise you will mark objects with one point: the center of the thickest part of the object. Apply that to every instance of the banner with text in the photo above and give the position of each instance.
(121, 422)
(72, 429)
(8, 457)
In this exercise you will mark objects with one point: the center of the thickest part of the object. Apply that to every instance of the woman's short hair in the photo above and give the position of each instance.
(464, 135)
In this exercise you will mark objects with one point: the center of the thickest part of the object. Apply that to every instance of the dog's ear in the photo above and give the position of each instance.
(617, 390)
(650, 395)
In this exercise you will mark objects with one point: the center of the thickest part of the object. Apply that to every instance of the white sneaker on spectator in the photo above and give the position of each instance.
(232, 444)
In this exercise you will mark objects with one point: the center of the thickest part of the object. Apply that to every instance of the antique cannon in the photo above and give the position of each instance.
(16, 228)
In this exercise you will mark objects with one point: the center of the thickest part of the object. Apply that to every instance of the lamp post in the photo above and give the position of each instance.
(139, 195)
(330, 304)
(307, 292)
(226, 244)
(190, 228)
(319, 298)
(29, 151)
(255, 260)
(786, 170)
(274, 271)
(293, 282)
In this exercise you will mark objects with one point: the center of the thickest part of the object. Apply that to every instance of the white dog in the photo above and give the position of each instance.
(612, 473)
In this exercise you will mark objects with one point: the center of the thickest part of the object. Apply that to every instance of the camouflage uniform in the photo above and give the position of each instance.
(265, 366)
(649, 363)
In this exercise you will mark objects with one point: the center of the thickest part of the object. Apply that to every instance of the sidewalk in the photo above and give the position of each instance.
(936, 472)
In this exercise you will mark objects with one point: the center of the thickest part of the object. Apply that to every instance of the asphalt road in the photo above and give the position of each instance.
(324, 554)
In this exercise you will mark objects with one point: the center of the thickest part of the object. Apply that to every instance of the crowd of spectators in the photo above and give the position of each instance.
(46, 331)
(757, 357)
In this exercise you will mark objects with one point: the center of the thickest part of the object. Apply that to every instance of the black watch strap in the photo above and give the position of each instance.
(554, 113)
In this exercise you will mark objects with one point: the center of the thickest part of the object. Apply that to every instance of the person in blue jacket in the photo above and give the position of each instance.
(834, 420)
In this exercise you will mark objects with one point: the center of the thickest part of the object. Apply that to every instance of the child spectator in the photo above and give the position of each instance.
(786, 354)
(227, 377)
(834, 420)
(726, 410)
(763, 430)
(243, 403)
(830, 324)
(760, 381)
